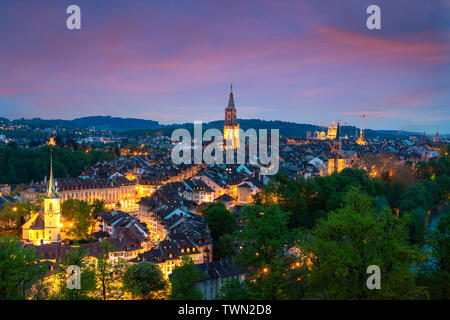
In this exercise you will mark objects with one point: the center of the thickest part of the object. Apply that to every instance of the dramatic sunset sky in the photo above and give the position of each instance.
(173, 61)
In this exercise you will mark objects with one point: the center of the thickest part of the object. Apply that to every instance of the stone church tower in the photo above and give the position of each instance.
(231, 127)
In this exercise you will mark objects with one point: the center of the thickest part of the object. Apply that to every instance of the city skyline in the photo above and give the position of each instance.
(173, 63)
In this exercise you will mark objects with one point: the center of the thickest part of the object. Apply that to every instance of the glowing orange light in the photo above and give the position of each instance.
(52, 142)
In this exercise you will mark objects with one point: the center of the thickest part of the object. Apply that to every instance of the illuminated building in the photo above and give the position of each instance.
(338, 160)
(320, 135)
(187, 236)
(110, 191)
(45, 226)
(231, 127)
(332, 131)
(360, 139)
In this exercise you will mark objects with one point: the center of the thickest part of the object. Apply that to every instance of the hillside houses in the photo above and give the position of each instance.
(184, 235)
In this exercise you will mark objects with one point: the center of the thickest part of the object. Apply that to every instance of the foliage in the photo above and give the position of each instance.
(264, 236)
(435, 273)
(222, 224)
(108, 274)
(82, 216)
(144, 280)
(13, 216)
(220, 220)
(19, 269)
(20, 165)
(184, 280)
(351, 239)
(232, 289)
(224, 247)
(76, 256)
(308, 200)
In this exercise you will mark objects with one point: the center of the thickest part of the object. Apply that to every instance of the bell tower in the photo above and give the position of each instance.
(231, 127)
(52, 206)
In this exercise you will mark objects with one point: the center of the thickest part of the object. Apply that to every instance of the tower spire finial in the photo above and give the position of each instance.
(231, 99)
(51, 186)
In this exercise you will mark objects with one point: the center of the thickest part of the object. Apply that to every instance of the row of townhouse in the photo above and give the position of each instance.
(185, 235)
(117, 189)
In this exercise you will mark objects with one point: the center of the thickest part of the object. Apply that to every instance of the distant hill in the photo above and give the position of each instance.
(287, 129)
(133, 127)
(115, 123)
(98, 122)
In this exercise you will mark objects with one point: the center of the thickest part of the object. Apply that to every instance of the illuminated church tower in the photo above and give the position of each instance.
(231, 127)
(52, 208)
(45, 226)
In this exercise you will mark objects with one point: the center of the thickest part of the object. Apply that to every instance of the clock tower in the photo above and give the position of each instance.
(52, 208)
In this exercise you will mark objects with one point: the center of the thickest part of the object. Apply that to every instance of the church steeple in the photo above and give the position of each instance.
(51, 191)
(231, 99)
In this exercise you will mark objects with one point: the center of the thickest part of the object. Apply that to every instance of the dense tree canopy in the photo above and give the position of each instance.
(144, 280)
(20, 165)
(351, 239)
(184, 280)
(81, 217)
(222, 224)
(19, 269)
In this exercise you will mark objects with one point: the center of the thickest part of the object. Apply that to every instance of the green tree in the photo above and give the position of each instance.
(264, 236)
(19, 269)
(220, 220)
(264, 239)
(416, 225)
(290, 195)
(222, 224)
(351, 239)
(184, 280)
(108, 272)
(144, 280)
(76, 256)
(232, 289)
(224, 247)
(20, 165)
(416, 196)
(79, 212)
(96, 207)
(435, 272)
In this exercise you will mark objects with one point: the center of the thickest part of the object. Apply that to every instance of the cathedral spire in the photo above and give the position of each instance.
(231, 100)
